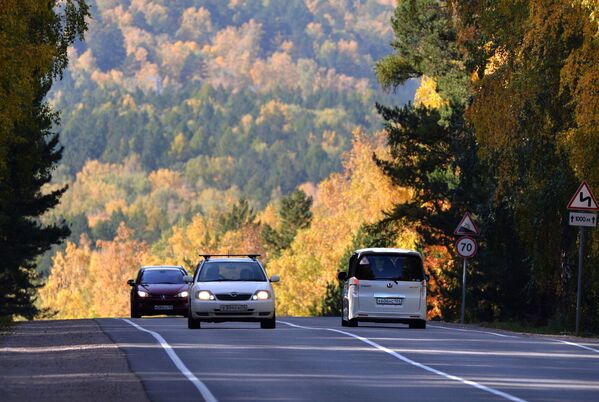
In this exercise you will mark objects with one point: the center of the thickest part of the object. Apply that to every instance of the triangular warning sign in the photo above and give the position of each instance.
(584, 199)
(467, 227)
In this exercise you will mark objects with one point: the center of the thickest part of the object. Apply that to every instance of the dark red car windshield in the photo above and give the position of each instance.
(168, 276)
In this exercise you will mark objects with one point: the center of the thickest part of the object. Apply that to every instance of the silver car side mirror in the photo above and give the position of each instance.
(275, 278)
(188, 278)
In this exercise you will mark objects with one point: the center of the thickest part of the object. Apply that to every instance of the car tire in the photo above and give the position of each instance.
(193, 323)
(135, 313)
(352, 323)
(418, 324)
(344, 323)
(270, 323)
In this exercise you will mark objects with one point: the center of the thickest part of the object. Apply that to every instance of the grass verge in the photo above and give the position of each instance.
(5, 324)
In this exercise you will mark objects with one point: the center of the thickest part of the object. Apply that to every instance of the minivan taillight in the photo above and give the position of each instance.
(354, 281)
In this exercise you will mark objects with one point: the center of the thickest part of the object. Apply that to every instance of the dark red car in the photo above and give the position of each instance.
(159, 290)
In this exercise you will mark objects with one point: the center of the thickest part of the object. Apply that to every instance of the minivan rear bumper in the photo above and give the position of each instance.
(390, 317)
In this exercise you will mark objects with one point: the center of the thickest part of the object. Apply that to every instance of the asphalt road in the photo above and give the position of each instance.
(315, 359)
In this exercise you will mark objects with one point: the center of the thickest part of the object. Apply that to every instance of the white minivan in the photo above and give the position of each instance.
(384, 285)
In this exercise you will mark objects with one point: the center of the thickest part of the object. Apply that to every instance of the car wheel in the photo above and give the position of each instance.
(352, 323)
(193, 323)
(270, 323)
(343, 323)
(135, 312)
(418, 324)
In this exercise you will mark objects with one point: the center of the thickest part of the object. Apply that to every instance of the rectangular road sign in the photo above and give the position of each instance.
(583, 219)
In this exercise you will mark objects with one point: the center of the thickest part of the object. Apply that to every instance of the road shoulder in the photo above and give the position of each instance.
(58, 360)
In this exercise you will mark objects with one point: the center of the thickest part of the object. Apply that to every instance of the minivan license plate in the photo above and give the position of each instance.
(395, 301)
(234, 307)
(163, 307)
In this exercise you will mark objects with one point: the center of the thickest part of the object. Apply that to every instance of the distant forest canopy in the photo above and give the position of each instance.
(173, 109)
(503, 125)
(260, 96)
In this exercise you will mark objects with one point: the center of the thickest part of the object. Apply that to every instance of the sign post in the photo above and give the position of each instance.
(583, 200)
(467, 248)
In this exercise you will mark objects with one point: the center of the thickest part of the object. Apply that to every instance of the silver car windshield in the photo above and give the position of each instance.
(222, 271)
(390, 267)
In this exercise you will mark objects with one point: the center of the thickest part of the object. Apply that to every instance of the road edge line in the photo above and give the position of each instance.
(575, 344)
(415, 363)
(515, 336)
(474, 330)
(206, 394)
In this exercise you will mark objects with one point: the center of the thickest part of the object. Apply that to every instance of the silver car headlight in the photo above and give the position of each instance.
(261, 295)
(185, 293)
(205, 295)
(141, 293)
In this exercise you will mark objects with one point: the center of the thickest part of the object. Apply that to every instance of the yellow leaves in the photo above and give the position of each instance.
(329, 117)
(67, 288)
(195, 24)
(331, 142)
(427, 95)
(233, 52)
(580, 78)
(174, 56)
(348, 47)
(268, 216)
(148, 77)
(342, 204)
(92, 283)
(111, 266)
(128, 102)
(278, 70)
(179, 144)
(273, 108)
(592, 6)
(112, 77)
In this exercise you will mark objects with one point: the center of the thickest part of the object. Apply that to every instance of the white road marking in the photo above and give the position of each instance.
(52, 349)
(578, 345)
(512, 336)
(414, 363)
(473, 330)
(206, 394)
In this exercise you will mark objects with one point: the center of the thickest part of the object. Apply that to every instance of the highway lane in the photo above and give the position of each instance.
(315, 359)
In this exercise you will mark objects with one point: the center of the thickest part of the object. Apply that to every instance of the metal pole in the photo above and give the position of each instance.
(463, 291)
(579, 291)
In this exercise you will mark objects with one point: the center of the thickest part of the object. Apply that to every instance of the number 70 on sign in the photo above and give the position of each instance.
(466, 246)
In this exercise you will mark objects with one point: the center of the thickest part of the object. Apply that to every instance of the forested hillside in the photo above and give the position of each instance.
(170, 109)
(258, 126)
(257, 96)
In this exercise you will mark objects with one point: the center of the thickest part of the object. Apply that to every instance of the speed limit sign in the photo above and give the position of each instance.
(466, 246)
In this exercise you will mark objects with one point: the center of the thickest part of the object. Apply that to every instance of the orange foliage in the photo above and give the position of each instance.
(343, 203)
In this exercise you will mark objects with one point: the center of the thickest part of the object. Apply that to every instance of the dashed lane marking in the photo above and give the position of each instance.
(401, 357)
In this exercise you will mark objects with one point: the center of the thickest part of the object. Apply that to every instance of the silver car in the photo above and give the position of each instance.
(231, 288)
(384, 285)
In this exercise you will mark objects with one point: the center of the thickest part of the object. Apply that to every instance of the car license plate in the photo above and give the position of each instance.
(234, 307)
(394, 301)
(163, 307)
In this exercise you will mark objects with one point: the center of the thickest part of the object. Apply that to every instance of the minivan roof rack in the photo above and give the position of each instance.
(208, 256)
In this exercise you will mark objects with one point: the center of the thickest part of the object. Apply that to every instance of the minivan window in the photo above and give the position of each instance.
(390, 267)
